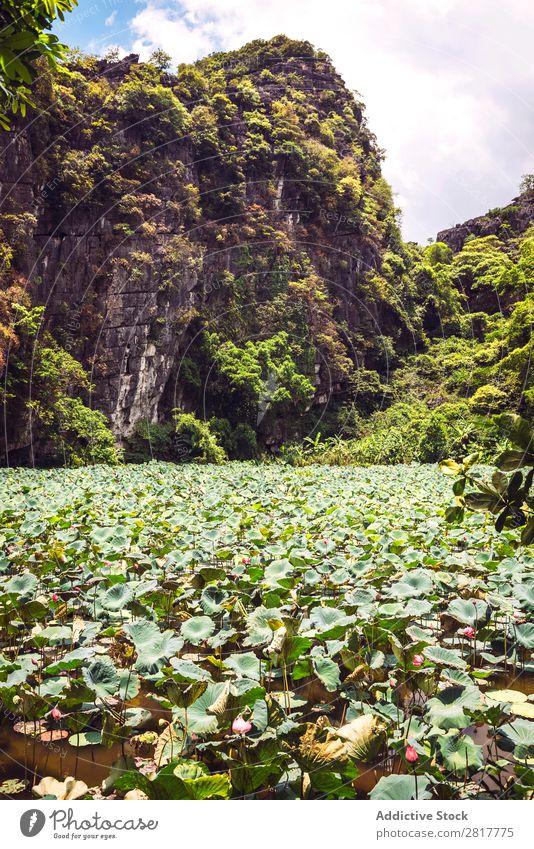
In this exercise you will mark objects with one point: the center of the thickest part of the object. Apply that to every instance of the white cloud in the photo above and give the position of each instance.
(111, 20)
(447, 84)
(175, 33)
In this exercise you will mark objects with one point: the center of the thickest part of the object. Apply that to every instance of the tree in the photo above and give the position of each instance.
(527, 183)
(161, 60)
(23, 39)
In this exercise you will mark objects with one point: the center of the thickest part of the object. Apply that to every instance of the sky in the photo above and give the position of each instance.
(448, 84)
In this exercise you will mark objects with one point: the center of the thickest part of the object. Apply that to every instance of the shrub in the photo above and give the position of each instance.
(153, 110)
(151, 441)
(238, 442)
(82, 435)
(488, 399)
(199, 437)
(434, 442)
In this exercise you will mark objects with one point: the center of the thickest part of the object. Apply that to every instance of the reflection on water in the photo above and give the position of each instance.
(26, 757)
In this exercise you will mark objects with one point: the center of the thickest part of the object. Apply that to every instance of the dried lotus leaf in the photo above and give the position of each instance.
(363, 737)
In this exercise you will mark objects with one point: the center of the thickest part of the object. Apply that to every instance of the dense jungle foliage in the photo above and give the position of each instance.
(244, 194)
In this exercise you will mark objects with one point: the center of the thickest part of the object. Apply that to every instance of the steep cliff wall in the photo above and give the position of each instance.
(505, 222)
(195, 238)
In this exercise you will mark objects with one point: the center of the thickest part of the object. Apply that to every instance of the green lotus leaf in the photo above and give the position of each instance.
(520, 733)
(129, 685)
(54, 635)
(197, 629)
(186, 670)
(137, 718)
(198, 720)
(24, 586)
(447, 709)
(396, 788)
(101, 677)
(524, 634)
(461, 754)
(212, 599)
(329, 619)
(258, 627)
(278, 571)
(444, 657)
(53, 687)
(205, 787)
(417, 607)
(415, 583)
(246, 665)
(72, 660)
(87, 738)
(471, 611)
(327, 671)
(117, 597)
(153, 647)
(525, 594)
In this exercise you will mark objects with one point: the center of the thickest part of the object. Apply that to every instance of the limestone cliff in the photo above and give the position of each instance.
(174, 225)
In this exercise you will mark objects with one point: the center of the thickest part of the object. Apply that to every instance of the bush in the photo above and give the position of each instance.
(151, 441)
(488, 400)
(199, 438)
(153, 109)
(238, 442)
(82, 435)
(434, 442)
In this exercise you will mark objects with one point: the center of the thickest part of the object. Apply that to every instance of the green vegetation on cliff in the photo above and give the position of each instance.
(240, 262)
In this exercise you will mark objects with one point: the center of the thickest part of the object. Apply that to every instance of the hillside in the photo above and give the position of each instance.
(219, 241)
(219, 245)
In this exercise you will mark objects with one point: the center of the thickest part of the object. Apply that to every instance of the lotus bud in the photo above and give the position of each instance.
(411, 755)
(241, 726)
(469, 632)
(418, 660)
(55, 597)
(56, 714)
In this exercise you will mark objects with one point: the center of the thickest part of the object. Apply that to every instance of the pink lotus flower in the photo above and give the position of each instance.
(392, 682)
(418, 660)
(55, 597)
(241, 726)
(77, 589)
(469, 632)
(245, 560)
(56, 714)
(411, 755)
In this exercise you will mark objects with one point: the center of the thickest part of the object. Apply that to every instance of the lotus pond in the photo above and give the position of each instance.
(260, 631)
